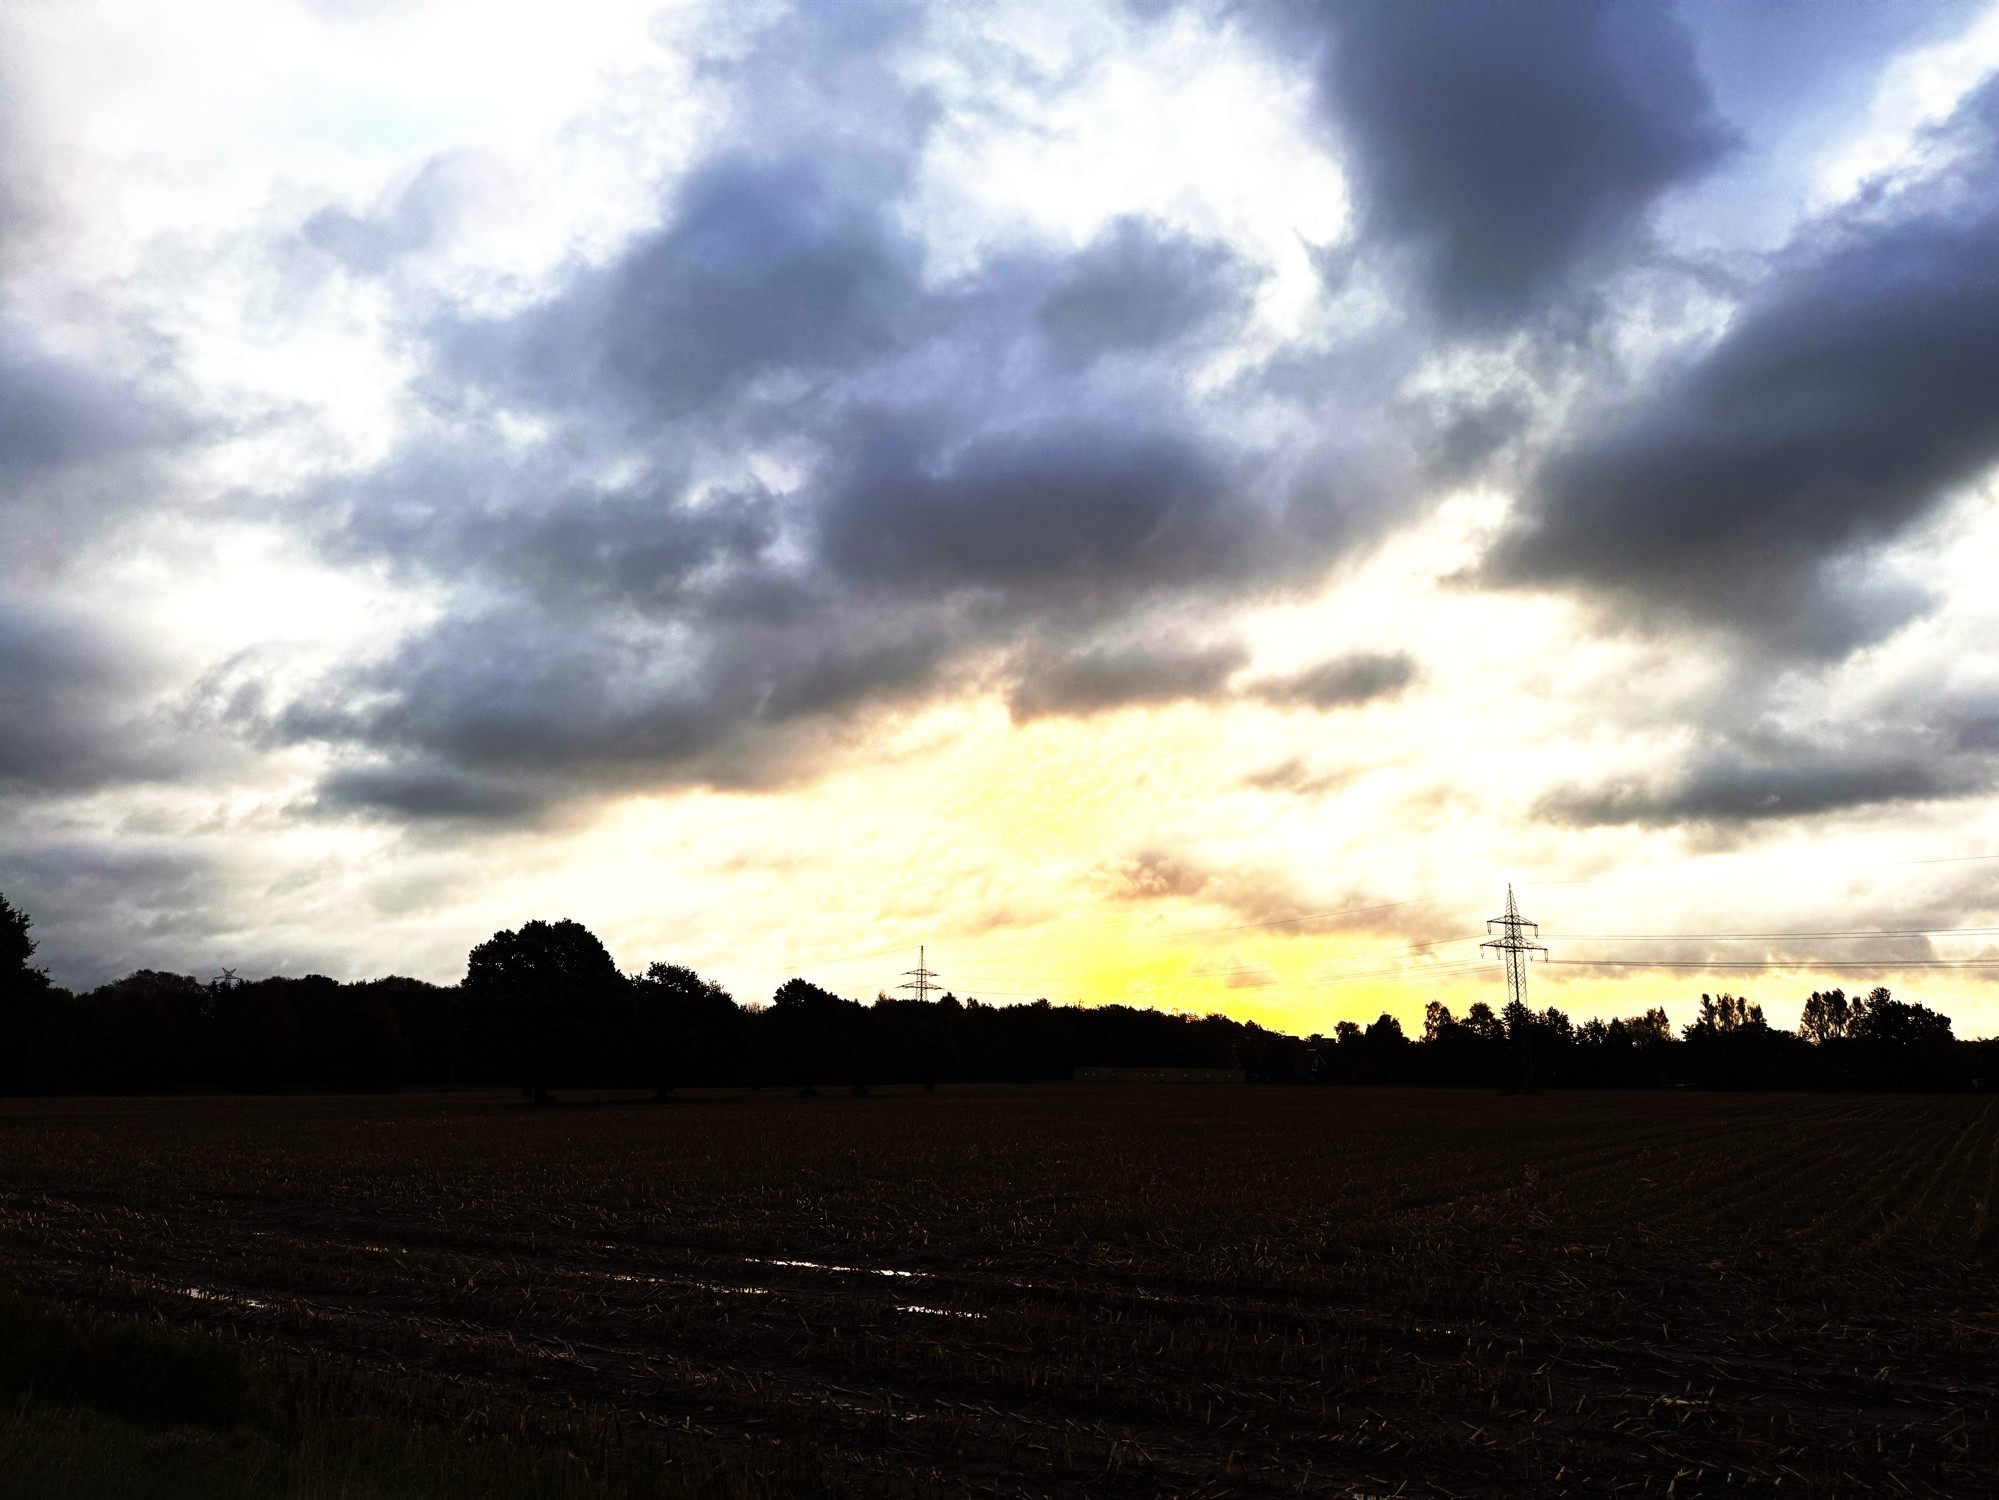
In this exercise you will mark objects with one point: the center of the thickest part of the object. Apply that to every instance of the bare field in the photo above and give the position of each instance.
(1103, 1290)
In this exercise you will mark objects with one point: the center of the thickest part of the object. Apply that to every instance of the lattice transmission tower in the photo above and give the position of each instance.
(921, 979)
(1515, 947)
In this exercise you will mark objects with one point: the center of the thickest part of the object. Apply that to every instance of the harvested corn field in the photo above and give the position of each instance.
(1102, 1290)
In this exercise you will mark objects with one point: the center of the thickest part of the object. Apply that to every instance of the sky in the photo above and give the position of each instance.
(1172, 504)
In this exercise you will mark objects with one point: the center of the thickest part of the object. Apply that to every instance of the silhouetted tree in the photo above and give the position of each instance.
(814, 1036)
(1730, 1045)
(365, 1047)
(1521, 1024)
(547, 1004)
(17, 978)
(423, 1018)
(45, 1043)
(1826, 1017)
(1450, 1048)
(150, 1031)
(689, 1030)
(1483, 1024)
(1652, 1027)
(1385, 1048)
(1896, 1044)
(255, 1044)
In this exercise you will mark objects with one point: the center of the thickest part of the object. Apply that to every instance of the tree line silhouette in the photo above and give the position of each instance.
(545, 1007)
(1871, 1042)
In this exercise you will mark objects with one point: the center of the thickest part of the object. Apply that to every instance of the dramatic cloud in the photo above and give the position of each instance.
(1733, 792)
(1505, 146)
(1049, 505)
(56, 412)
(502, 712)
(1339, 683)
(62, 696)
(626, 595)
(1844, 400)
(1133, 291)
(769, 268)
(1091, 680)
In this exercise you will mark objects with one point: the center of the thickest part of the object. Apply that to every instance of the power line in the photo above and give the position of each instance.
(1779, 963)
(1656, 870)
(1331, 974)
(795, 965)
(1680, 937)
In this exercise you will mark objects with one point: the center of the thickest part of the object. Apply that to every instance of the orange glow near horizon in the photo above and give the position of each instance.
(1120, 859)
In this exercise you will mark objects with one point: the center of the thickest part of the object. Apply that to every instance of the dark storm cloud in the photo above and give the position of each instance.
(1090, 681)
(57, 683)
(1930, 735)
(75, 709)
(72, 450)
(534, 523)
(784, 467)
(769, 266)
(56, 411)
(1457, 436)
(1053, 502)
(1841, 403)
(967, 475)
(423, 791)
(506, 713)
(1340, 682)
(1133, 290)
(1731, 791)
(1504, 146)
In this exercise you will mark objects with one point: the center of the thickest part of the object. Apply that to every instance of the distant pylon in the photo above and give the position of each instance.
(920, 980)
(1513, 947)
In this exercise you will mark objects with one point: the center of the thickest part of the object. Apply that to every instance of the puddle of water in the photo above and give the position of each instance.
(681, 1281)
(814, 1265)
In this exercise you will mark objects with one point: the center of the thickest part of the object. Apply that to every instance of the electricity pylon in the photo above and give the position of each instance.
(921, 979)
(1516, 948)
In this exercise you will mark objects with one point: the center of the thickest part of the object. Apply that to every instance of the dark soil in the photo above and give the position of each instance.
(1092, 1290)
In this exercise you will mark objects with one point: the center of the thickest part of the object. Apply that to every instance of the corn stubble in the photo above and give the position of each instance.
(1086, 1290)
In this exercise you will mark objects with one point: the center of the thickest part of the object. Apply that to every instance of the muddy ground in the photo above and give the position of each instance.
(1093, 1290)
